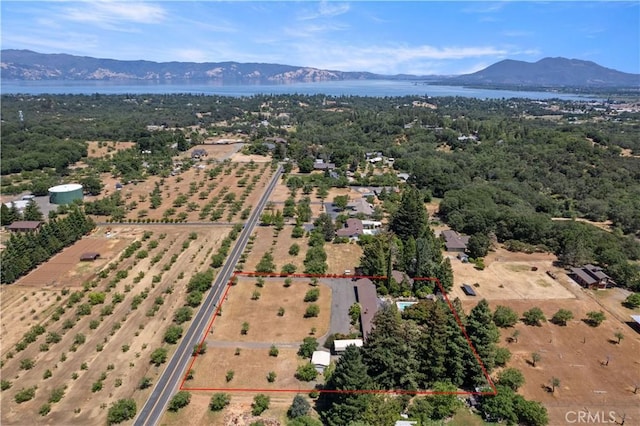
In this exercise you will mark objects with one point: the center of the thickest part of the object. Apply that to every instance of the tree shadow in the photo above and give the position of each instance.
(612, 341)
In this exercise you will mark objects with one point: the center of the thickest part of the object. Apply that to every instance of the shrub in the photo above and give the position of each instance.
(27, 364)
(145, 383)
(595, 318)
(219, 401)
(271, 377)
(121, 410)
(562, 316)
(25, 395)
(159, 356)
(273, 351)
(294, 249)
(179, 400)
(5, 384)
(57, 394)
(47, 373)
(229, 376)
(632, 301)
(312, 295)
(505, 316)
(260, 404)
(289, 268)
(173, 334)
(306, 372)
(44, 409)
(97, 386)
(308, 346)
(533, 316)
(312, 311)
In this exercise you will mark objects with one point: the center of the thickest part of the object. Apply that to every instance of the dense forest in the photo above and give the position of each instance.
(502, 168)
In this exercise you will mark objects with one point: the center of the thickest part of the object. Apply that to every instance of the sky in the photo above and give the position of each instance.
(386, 37)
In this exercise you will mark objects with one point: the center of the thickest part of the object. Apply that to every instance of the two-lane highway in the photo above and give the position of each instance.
(168, 381)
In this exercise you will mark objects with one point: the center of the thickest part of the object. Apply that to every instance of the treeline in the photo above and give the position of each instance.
(424, 348)
(25, 251)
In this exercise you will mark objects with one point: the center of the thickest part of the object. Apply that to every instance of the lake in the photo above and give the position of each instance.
(374, 88)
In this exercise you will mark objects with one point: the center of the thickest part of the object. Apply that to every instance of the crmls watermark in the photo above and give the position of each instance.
(593, 417)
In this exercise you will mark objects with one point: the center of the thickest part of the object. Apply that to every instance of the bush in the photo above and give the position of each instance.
(179, 400)
(273, 351)
(121, 410)
(159, 356)
(289, 268)
(312, 295)
(511, 378)
(57, 394)
(632, 301)
(300, 407)
(306, 372)
(595, 318)
(219, 401)
(533, 316)
(5, 384)
(260, 404)
(312, 311)
(25, 395)
(503, 355)
(271, 377)
(173, 334)
(145, 383)
(308, 346)
(44, 409)
(27, 364)
(561, 317)
(294, 249)
(505, 317)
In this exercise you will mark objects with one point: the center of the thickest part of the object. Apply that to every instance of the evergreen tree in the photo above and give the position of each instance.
(457, 347)
(7, 215)
(32, 211)
(388, 353)
(411, 217)
(484, 335)
(350, 374)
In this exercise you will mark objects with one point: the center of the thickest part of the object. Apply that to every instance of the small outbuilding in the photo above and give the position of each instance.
(89, 256)
(24, 226)
(340, 346)
(320, 360)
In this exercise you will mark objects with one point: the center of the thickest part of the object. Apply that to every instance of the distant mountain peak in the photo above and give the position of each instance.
(549, 72)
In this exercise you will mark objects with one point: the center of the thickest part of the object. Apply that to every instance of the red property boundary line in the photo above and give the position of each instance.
(493, 391)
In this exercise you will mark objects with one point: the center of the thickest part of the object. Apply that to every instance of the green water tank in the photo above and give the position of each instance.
(65, 194)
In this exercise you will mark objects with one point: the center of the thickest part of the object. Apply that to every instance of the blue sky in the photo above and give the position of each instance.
(419, 37)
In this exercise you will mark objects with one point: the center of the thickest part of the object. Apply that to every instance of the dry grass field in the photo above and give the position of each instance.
(510, 276)
(576, 354)
(97, 149)
(111, 349)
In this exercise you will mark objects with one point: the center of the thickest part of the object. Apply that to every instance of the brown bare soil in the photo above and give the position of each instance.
(509, 275)
(576, 354)
(262, 315)
(95, 150)
(120, 344)
(250, 370)
(266, 241)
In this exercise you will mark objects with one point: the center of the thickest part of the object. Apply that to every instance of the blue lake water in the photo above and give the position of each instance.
(373, 88)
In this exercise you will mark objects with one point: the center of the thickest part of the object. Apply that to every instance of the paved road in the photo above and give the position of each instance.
(168, 382)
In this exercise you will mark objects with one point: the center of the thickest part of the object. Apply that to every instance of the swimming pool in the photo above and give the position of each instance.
(402, 305)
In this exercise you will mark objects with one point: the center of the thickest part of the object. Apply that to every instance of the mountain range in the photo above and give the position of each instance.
(548, 72)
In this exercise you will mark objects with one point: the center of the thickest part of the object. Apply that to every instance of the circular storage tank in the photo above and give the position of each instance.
(65, 194)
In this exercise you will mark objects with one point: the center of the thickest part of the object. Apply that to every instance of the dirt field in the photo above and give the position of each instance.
(265, 241)
(575, 354)
(509, 275)
(94, 150)
(238, 413)
(266, 328)
(341, 257)
(262, 314)
(117, 345)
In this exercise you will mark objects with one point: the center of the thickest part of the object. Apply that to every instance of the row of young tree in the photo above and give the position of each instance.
(25, 251)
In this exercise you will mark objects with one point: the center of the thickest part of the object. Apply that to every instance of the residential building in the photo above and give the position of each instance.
(454, 241)
(361, 205)
(24, 226)
(591, 276)
(320, 360)
(352, 229)
(367, 297)
(340, 345)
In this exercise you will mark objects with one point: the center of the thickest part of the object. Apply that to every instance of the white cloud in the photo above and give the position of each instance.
(325, 9)
(516, 33)
(113, 14)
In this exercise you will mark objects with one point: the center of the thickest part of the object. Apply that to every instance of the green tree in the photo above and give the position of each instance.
(306, 372)
(324, 224)
(219, 401)
(173, 334)
(183, 314)
(266, 264)
(632, 301)
(411, 217)
(505, 316)
(618, 335)
(299, 407)
(260, 404)
(484, 335)
(444, 400)
(307, 347)
(92, 185)
(511, 378)
(535, 358)
(478, 245)
(159, 356)
(32, 211)
(350, 375)
(312, 310)
(533, 316)
(530, 413)
(179, 400)
(340, 202)
(562, 316)
(121, 410)
(500, 407)
(555, 382)
(595, 318)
